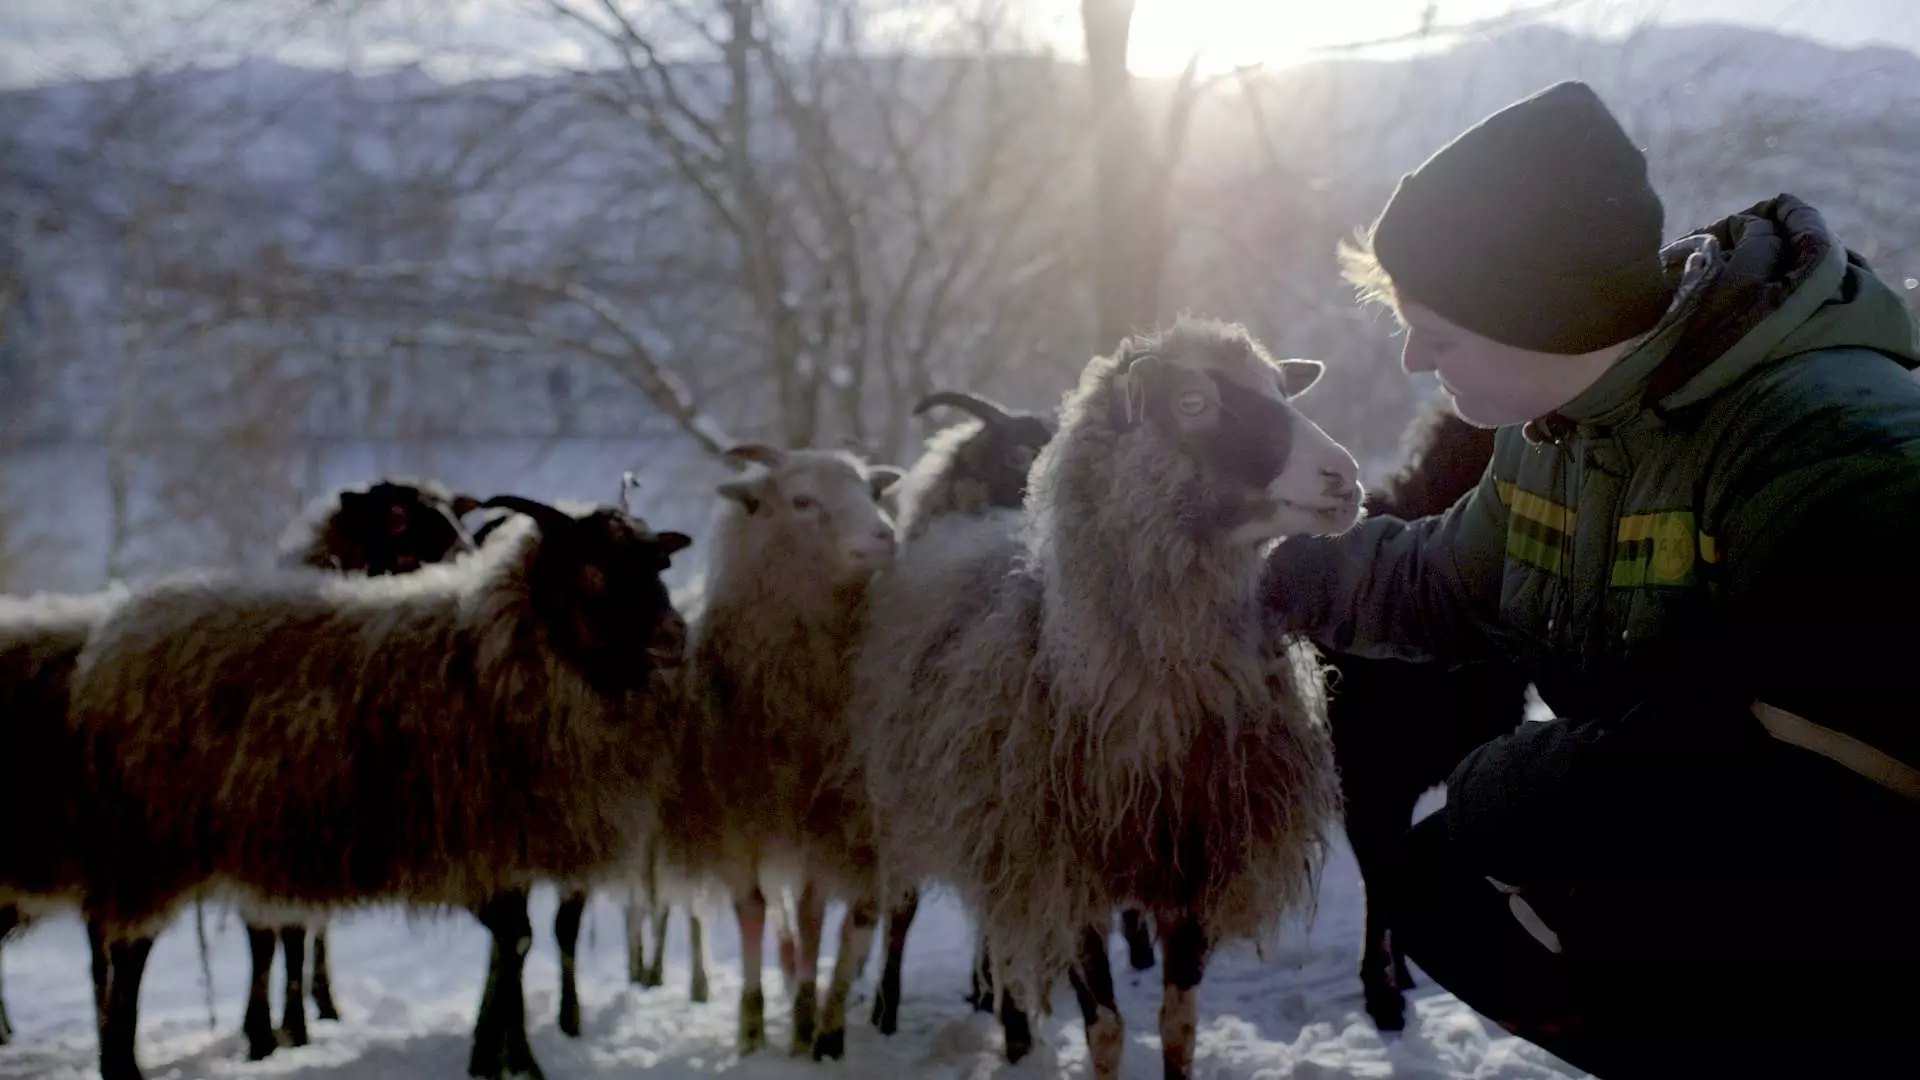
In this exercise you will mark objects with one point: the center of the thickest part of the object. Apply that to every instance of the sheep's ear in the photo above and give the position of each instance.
(672, 542)
(1297, 376)
(745, 492)
(883, 477)
(463, 504)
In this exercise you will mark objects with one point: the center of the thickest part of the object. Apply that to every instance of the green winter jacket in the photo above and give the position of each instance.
(1733, 509)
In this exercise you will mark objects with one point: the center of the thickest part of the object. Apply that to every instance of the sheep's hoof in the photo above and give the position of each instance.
(323, 1002)
(1018, 1032)
(698, 993)
(520, 1059)
(803, 1024)
(753, 1021)
(1387, 1010)
(262, 1041)
(291, 1036)
(570, 1012)
(830, 1044)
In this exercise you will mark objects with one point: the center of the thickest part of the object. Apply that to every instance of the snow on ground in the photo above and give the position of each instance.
(407, 990)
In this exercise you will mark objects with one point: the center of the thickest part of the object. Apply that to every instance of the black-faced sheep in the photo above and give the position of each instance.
(1398, 727)
(440, 738)
(1076, 708)
(971, 466)
(765, 688)
(392, 526)
(571, 911)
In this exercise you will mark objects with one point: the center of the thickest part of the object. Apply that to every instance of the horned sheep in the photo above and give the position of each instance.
(1076, 708)
(440, 738)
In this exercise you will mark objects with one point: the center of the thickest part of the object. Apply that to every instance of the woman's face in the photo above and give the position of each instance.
(1491, 384)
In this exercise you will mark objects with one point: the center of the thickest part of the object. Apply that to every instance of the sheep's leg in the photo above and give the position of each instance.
(1092, 980)
(9, 919)
(97, 948)
(856, 938)
(1015, 1029)
(782, 921)
(321, 978)
(566, 931)
(258, 1024)
(886, 1003)
(1133, 926)
(981, 995)
(697, 947)
(1376, 819)
(751, 909)
(500, 1030)
(656, 973)
(293, 1011)
(126, 963)
(1185, 942)
(806, 991)
(637, 913)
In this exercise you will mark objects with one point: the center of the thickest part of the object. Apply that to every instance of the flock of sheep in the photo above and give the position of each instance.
(1048, 684)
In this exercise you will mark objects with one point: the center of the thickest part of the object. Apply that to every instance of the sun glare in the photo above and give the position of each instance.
(1275, 33)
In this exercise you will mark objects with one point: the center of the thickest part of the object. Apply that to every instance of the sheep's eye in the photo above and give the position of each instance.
(803, 502)
(1191, 403)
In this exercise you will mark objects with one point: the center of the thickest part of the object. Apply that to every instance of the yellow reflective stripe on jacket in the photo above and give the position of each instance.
(1538, 529)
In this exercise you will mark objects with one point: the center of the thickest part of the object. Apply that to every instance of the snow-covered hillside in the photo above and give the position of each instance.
(408, 990)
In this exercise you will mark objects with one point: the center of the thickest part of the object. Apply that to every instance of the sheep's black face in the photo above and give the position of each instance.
(1264, 470)
(607, 607)
(398, 528)
(1001, 454)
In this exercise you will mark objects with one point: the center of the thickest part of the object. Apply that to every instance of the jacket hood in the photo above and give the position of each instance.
(1769, 282)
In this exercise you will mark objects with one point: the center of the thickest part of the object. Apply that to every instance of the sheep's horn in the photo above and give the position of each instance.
(759, 453)
(986, 411)
(549, 519)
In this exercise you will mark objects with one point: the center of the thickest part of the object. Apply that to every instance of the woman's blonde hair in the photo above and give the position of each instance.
(1361, 268)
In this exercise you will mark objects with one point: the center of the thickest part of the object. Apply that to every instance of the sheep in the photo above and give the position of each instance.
(1399, 728)
(971, 466)
(763, 694)
(388, 527)
(392, 526)
(1076, 707)
(573, 898)
(440, 738)
(41, 772)
(967, 468)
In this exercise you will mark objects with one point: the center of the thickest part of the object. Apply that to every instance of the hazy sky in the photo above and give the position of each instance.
(49, 39)
(1167, 31)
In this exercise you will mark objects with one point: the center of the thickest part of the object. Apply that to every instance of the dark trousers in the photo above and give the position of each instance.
(1805, 974)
